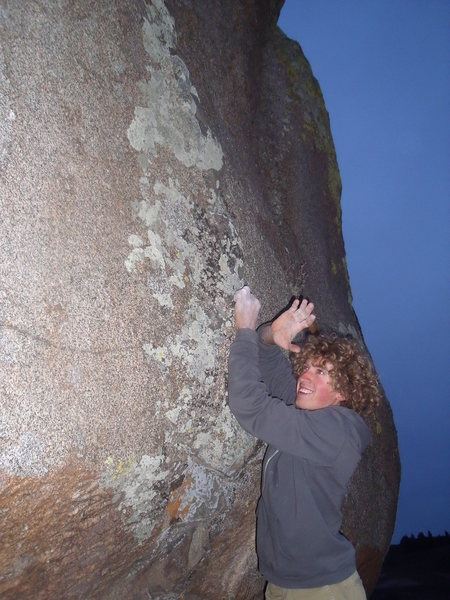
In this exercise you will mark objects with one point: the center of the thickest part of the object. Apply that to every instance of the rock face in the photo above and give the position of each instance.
(154, 158)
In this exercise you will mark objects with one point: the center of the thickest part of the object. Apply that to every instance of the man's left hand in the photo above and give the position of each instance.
(246, 309)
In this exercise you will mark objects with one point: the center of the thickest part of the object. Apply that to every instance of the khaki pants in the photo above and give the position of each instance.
(349, 589)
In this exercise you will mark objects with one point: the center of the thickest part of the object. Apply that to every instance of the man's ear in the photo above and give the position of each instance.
(339, 398)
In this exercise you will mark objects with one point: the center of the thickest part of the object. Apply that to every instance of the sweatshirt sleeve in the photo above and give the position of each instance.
(317, 436)
(276, 372)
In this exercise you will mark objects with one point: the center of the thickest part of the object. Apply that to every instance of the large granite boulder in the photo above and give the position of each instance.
(155, 156)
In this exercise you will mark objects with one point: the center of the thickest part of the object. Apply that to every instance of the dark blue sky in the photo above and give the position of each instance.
(384, 70)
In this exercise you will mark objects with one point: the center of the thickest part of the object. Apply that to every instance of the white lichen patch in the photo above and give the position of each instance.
(135, 484)
(160, 353)
(173, 414)
(136, 241)
(224, 446)
(220, 443)
(164, 300)
(193, 346)
(230, 280)
(137, 255)
(168, 118)
(183, 411)
(182, 246)
(162, 36)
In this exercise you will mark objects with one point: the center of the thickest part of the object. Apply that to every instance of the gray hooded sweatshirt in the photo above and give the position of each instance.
(310, 458)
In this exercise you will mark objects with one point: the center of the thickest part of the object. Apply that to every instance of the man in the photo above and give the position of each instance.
(315, 439)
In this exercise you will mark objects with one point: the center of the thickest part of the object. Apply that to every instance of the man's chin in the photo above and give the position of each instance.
(301, 404)
(301, 400)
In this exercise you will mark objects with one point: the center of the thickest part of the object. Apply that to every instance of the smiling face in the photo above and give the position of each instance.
(315, 387)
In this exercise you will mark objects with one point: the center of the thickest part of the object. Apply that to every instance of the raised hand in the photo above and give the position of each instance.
(246, 309)
(293, 320)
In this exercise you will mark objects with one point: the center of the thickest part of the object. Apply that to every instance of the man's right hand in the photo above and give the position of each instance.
(284, 329)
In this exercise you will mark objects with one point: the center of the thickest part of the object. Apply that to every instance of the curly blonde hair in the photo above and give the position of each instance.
(352, 375)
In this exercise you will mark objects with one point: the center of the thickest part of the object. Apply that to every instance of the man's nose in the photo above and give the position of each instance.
(305, 376)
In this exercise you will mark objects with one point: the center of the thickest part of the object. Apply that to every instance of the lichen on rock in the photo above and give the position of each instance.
(168, 117)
